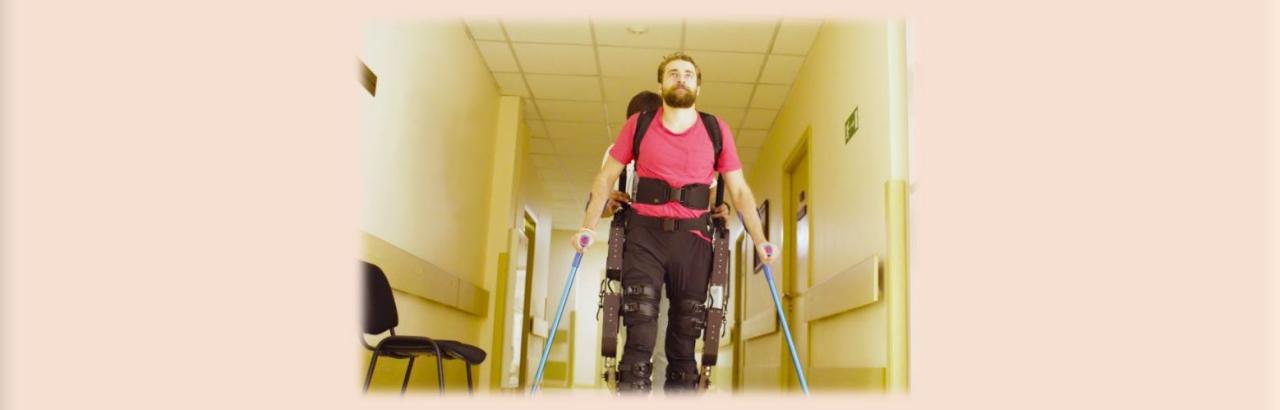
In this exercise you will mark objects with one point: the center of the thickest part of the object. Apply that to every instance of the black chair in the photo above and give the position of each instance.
(380, 316)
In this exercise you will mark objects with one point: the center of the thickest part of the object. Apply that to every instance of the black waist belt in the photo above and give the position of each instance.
(652, 191)
(701, 223)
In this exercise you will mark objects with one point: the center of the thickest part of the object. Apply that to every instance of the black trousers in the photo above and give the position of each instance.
(680, 261)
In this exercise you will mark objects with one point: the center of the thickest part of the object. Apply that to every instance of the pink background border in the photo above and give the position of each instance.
(1092, 221)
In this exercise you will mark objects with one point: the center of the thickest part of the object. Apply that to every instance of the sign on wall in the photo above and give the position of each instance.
(851, 125)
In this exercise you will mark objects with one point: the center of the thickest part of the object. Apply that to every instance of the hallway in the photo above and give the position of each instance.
(481, 139)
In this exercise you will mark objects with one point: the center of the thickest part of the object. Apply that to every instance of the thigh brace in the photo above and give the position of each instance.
(690, 317)
(639, 303)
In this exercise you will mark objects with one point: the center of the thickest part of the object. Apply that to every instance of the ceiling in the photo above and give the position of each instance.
(577, 76)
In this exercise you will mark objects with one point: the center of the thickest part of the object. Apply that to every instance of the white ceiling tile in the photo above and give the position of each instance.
(541, 146)
(498, 56)
(748, 154)
(557, 110)
(563, 189)
(536, 129)
(769, 96)
(795, 36)
(586, 159)
(588, 148)
(750, 138)
(553, 175)
(658, 33)
(568, 189)
(623, 89)
(736, 67)
(562, 199)
(485, 29)
(779, 69)
(556, 58)
(579, 179)
(511, 84)
(724, 94)
(759, 118)
(639, 63)
(617, 110)
(565, 87)
(549, 31)
(555, 202)
(744, 35)
(530, 110)
(543, 161)
(579, 176)
(571, 131)
(731, 116)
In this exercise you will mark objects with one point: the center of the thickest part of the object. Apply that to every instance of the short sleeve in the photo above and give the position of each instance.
(728, 160)
(621, 150)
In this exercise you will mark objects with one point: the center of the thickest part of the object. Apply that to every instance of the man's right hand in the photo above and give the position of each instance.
(583, 239)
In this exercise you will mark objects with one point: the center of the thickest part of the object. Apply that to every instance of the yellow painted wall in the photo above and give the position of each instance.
(526, 193)
(847, 66)
(427, 163)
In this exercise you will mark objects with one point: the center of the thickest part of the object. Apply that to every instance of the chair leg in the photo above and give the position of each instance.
(470, 391)
(368, 378)
(440, 369)
(405, 386)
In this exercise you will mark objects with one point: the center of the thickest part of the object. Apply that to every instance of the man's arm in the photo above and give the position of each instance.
(600, 189)
(740, 195)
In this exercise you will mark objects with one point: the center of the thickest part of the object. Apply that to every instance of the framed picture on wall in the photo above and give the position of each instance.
(763, 211)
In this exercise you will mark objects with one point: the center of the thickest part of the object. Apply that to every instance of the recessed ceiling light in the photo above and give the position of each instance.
(638, 29)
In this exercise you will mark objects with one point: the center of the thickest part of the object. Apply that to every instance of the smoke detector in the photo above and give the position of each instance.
(638, 29)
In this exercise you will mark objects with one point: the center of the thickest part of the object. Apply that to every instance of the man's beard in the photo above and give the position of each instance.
(675, 100)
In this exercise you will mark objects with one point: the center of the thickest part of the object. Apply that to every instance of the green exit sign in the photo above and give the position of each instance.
(851, 125)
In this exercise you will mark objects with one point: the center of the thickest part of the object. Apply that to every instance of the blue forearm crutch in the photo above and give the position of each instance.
(551, 337)
(786, 330)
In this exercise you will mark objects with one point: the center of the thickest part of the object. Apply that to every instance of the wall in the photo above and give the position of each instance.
(848, 66)
(427, 165)
(515, 190)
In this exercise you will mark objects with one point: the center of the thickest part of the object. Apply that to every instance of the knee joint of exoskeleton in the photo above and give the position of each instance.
(635, 376)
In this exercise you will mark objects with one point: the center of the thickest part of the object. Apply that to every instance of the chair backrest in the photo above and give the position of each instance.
(379, 305)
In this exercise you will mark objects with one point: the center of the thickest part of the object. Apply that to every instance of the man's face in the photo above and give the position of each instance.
(679, 84)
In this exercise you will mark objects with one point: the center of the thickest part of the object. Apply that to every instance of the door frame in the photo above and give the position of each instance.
(530, 230)
(739, 289)
(507, 266)
(802, 150)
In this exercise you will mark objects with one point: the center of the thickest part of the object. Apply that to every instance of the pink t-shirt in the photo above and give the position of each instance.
(677, 158)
